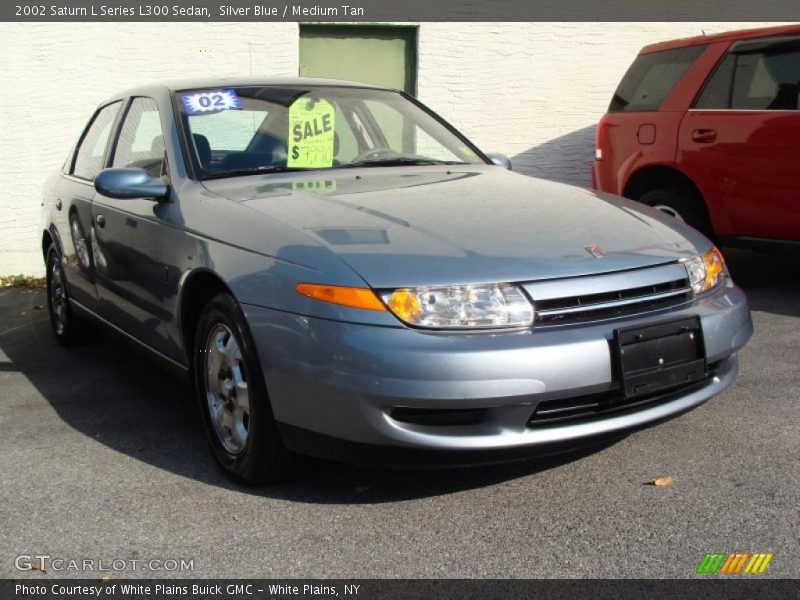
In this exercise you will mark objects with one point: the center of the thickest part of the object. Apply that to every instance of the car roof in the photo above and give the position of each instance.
(218, 82)
(727, 36)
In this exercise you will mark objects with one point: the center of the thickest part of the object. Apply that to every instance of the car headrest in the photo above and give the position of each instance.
(786, 98)
(157, 145)
(203, 149)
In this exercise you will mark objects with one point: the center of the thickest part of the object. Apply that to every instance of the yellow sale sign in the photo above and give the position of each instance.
(311, 134)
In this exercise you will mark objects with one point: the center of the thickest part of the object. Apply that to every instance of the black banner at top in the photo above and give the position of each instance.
(398, 10)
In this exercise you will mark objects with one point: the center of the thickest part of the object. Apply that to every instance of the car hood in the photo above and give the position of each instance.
(406, 226)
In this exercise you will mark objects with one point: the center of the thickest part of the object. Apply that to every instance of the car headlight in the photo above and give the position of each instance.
(706, 271)
(461, 306)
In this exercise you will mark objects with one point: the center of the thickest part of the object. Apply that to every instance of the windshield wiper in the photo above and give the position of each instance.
(263, 169)
(397, 161)
(400, 161)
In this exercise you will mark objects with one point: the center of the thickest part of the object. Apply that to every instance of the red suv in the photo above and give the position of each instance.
(708, 130)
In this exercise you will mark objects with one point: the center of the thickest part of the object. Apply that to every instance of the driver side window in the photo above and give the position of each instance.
(141, 143)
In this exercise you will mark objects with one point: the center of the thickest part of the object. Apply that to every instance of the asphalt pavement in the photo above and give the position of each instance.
(102, 457)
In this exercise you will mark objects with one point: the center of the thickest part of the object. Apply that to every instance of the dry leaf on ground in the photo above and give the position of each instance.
(662, 481)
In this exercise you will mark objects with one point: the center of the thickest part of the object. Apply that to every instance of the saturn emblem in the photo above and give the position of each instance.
(595, 251)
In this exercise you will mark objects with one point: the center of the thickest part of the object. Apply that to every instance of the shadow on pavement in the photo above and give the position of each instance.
(110, 392)
(118, 397)
(771, 281)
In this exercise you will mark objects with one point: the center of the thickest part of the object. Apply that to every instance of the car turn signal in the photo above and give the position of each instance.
(353, 297)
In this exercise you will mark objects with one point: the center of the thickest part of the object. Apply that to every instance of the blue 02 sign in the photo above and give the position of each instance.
(211, 101)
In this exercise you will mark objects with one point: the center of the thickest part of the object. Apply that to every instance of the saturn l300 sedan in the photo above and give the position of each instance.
(341, 273)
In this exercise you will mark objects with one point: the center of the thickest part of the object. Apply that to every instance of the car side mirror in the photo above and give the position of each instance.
(501, 160)
(127, 184)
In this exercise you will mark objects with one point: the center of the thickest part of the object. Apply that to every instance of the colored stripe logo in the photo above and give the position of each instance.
(734, 563)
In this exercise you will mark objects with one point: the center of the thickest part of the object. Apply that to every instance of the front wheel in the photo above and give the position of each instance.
(233, 397)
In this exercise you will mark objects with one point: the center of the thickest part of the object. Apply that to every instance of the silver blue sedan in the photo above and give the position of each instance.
(341, 273)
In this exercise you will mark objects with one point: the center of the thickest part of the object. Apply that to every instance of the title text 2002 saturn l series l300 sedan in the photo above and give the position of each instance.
(345, 275)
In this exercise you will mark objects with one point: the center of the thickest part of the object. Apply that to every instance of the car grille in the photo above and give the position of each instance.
(614, 303)
(609, 296)
(612, 403)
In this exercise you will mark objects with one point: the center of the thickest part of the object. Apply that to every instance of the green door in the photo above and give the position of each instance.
(383, 56)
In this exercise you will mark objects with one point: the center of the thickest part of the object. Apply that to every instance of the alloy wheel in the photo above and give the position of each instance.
(58, 297)
(226, 390)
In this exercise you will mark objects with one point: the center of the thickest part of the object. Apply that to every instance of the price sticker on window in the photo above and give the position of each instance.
(311, 134)
(211, 101)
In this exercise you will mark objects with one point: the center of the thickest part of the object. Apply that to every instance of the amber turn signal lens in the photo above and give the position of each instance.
(714, 266)
(353, 297)
(706, 270)
(405, 304)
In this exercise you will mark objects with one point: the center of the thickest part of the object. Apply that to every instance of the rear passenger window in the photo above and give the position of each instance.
(651, 77)
(89, 156)
(758, 77)
(717, 92)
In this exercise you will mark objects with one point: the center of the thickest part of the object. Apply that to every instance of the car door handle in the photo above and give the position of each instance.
(100, 220)
(704, 136)
(59, 204)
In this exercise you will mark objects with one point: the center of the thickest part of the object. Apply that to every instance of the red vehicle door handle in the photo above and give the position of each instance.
(704, 136)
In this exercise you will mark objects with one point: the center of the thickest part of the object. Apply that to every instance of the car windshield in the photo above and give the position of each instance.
(250, 130)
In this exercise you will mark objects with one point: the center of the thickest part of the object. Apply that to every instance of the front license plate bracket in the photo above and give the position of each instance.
(656, 357)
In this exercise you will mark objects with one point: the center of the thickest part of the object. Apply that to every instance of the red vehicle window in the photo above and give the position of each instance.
(651, 77)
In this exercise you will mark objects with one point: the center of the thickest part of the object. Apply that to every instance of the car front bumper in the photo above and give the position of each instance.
(331, 381)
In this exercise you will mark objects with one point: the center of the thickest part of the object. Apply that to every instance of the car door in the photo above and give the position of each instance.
(742, 139)
(136, 282)
(73, 214)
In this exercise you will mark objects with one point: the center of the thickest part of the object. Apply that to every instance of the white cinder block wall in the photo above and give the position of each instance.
(535, 91)
(531, 90)
(56, 74)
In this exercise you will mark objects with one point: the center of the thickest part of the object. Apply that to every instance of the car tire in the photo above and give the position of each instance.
(68, 328)
(232, 396)
(682, 204)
